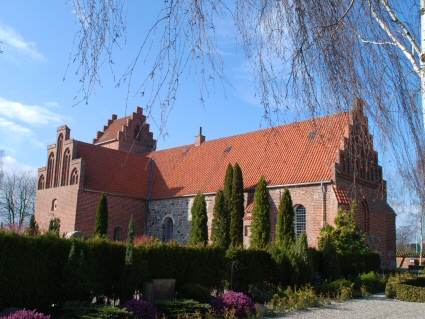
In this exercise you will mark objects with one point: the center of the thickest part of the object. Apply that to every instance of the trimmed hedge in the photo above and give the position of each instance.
(36, 272)
(407, 290)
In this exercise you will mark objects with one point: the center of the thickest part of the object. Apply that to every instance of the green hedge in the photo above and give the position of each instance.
(407, 290)
(353, 264)
(36, 272)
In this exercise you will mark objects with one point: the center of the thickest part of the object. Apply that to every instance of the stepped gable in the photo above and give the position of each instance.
(301, 152)
(115, 172)
(130, 133)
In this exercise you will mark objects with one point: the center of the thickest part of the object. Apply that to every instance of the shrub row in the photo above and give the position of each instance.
(407, 290)
(41, 271)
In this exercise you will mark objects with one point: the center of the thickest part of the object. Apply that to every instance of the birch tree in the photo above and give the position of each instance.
(308, 57)
(17, 199)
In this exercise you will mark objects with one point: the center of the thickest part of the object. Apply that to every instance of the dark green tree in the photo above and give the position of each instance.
(199, 229)
(330, 259)
(219, 231)
(346, 235)
(237, 213)
(32, 227)
(261, 216)
(101, 229)
(54, 226)
(130, 243)
(228, 203)
(303, 261)
(285, 231)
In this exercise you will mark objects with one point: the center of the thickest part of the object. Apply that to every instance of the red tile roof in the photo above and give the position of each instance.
(114, 171)
(290, 154)
(342, 196)
(111, 132)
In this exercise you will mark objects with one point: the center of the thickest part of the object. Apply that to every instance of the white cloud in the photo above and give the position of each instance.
(15, 134)
(10, 164)
(13, 39)
(31, 114)
(14, 128)
(51, 104)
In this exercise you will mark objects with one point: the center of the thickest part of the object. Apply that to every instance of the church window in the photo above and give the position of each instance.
(54, 204)
(74, 177)
(167, 229)
(50, 170)
(117, 233)
(58, 160)
(41, 182)
(65, 167)
(300, 220)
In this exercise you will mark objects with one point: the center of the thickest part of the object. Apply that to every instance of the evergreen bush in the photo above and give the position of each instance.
(101, 229)
(195, 292)
(260, 226)
(219, 229)
(199, 228)
(285, 228)
(237, 213)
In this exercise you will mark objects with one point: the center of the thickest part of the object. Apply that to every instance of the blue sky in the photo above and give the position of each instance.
(38, 85)
(35, 99)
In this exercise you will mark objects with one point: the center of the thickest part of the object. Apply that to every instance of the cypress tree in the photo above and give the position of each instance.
(54, 226)
(33, 227)
(227, 192)
(237, 213)
(261, 216)
(219, 233)
(199, 229)
(101, 229)
(285, 231)
(130, 243)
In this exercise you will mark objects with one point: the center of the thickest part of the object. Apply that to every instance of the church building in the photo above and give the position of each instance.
(325, 163)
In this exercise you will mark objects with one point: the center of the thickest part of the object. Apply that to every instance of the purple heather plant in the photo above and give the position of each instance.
(27, 314)
(141, 309)
(241, 303)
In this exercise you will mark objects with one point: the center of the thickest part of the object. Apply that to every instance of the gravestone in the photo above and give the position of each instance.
(159, 290)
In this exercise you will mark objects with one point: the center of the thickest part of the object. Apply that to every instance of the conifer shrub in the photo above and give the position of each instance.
(141, 309)
(285, 229)
(27, 314)
(237, 212)
(219, 229)
(242, 305)
(54, 226)
(87, 310)
(260, 226)
(101, 228)
(199, 227)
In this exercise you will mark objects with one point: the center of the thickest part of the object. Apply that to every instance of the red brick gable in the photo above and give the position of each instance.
(297, 153)
(113, 171)
(111, 132)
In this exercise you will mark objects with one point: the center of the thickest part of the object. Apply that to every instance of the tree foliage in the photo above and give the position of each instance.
(237, 214)
(219, 230)
(130, 243)
(346, 235)
(261, 216)
(199, 229)
(17, 198)
(228, 202)
(101, 229)
(32, 229)
(54, 226)
(285, 228)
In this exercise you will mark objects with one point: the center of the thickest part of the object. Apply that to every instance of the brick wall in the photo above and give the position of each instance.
(120, 209)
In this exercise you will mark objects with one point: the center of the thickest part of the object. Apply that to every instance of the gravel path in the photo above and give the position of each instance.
(372, 307)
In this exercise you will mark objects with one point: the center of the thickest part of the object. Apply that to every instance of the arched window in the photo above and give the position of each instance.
(167, 229)
(41, 182)
(300, 220)
(58, 160)
(50, 170)
(54, 204)
(74, 177)
(117, 233)
(65, 167)
(366, 218)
